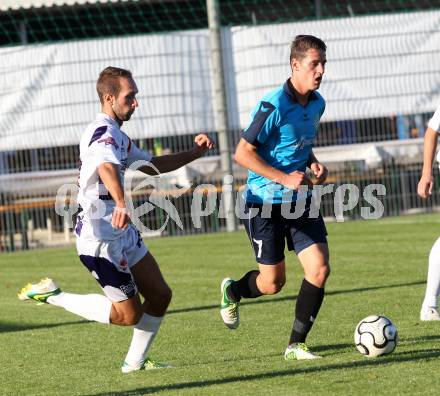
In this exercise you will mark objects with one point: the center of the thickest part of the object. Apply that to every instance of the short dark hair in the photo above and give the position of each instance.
(302, 43)
(108, 81)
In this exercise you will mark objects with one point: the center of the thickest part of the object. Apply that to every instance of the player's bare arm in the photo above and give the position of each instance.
(318, 169)
(109, 174)
(246, 155)
(171, 162)
(426, 182)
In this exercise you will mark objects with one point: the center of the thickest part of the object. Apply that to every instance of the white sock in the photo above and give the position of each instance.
(94, 307)
(143, 336)
(433, 281)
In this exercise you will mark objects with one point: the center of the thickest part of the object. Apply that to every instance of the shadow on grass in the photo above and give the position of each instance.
(11, 327)
(292, 298)
(427, 338)
(363, 362)
(332, 347)
(7, 327)
(407, 340)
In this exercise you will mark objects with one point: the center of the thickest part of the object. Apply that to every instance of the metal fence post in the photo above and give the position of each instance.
(221, 116)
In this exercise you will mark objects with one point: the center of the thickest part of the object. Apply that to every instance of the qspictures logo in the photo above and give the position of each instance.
(156, 194)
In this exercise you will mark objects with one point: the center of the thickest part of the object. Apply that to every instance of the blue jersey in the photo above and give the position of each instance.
(284, 133)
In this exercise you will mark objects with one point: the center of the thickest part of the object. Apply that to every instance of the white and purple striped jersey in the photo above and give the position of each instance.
(434, 122)
(102, 141)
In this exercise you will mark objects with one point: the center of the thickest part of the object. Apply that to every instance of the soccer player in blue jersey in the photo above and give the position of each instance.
(276, 148)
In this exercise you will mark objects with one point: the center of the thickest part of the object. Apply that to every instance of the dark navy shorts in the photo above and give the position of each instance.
(269, 230)
(110, 262)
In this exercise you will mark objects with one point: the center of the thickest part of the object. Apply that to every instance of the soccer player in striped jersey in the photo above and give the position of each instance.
(109, 245)
(429, 310)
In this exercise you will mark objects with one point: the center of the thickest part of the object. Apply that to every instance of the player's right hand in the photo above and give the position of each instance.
(203, 143)
(424, 188)
(120, 217)
(295, 179)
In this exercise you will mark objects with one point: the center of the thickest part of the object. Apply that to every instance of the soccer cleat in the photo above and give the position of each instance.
(229, 309)
(299, 351)
(148, 364)
(40, 291)
(429, 314)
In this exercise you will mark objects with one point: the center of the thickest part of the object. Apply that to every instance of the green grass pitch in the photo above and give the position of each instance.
(378, 267)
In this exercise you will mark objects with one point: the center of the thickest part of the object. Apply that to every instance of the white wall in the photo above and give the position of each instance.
(377, 66)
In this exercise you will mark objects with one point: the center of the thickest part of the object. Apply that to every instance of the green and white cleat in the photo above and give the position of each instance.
(40, 291)
(148, 364)
(299, 352)
(229, 309)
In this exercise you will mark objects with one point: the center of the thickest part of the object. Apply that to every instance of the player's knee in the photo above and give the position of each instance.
(325, 272)
(166, 297)
(126, 317)
(132, 317)
(321, 275)
(162, 300)
(273, 286)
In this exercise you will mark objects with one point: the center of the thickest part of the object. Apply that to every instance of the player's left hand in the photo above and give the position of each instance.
(319, 171)
(202, 143)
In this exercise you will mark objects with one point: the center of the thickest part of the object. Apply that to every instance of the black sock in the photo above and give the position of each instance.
(245, 287)
(308, 302)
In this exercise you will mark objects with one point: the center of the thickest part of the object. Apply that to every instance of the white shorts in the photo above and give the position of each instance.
(109, 262)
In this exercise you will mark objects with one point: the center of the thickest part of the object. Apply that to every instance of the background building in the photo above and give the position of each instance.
(381, 86)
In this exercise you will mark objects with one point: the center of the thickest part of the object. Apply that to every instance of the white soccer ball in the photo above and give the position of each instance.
(375, 335)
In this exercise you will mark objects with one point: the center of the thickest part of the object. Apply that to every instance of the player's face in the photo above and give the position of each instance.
(125, 104)
(308, 71)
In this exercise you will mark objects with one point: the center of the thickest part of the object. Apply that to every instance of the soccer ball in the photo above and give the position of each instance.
(375, 335)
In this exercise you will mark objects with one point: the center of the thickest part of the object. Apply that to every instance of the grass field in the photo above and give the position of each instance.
(378, 267)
